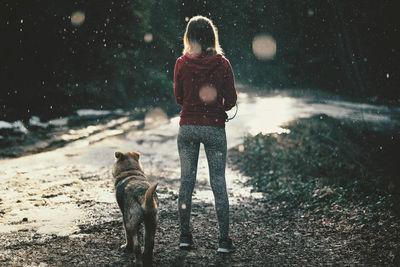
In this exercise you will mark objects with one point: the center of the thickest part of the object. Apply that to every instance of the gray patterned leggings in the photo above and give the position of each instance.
(214, 141)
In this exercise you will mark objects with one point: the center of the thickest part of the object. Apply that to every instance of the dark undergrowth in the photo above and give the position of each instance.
(321, 162)
(339, 173)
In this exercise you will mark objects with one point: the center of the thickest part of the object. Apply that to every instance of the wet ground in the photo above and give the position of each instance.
(57, 207)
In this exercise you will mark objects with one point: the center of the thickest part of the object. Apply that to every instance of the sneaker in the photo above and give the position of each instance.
(186, 241)
(226, 245)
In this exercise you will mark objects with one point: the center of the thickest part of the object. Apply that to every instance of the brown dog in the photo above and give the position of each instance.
(138, 202)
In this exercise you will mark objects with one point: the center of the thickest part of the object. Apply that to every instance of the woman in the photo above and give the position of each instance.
(204, 86)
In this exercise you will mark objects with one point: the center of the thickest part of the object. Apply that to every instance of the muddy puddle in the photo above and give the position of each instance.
(55, 191)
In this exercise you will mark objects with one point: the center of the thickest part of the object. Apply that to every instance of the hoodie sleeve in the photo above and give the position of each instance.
(178, 88)
(230, 95)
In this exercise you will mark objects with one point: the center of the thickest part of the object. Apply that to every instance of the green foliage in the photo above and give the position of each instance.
(104, 62)
(324, 160)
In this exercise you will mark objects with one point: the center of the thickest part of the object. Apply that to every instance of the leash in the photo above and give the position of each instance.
(234, 115)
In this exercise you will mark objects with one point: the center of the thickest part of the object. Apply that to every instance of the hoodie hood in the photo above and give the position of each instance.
(203, 62)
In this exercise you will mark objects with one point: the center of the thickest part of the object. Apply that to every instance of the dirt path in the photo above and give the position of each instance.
(57, 208)
(266, 234)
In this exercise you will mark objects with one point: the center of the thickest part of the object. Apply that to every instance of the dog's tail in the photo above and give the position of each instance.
(150, 204)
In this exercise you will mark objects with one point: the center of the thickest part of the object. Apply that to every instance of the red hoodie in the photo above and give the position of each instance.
(205, 88)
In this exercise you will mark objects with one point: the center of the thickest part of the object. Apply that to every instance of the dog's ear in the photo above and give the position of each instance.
(135, 155)
(119, 154)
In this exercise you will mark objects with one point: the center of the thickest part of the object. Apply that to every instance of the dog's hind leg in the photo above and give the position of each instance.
(150, 225)
(137, 249)
(127, 247)
(129, 229)
(133, 216)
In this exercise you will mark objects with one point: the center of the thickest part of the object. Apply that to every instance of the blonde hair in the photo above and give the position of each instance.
(203, 31)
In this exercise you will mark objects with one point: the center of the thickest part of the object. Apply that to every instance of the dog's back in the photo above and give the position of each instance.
(133, 186)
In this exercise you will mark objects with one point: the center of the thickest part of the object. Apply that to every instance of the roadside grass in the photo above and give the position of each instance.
(322, 162)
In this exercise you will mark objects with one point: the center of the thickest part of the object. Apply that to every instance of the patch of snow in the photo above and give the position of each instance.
(119, 111)
(5, 125)
(58, 122)
(20, 127)
(17, 125)
(92, 112)
(358, 106)
(35, 121)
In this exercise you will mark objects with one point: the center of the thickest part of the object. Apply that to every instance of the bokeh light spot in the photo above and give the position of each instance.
(155, 117)
(183, 206)
(77, 18)
(208, 94)
(264, 47)
(148, 37)
(241, 148)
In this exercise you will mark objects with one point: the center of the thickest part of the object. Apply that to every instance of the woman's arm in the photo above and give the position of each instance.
(230, 95)
(178, 88)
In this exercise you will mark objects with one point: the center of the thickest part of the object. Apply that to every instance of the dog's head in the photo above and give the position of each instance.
(126, 162)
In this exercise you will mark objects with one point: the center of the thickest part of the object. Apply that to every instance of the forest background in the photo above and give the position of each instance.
(59, 56)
